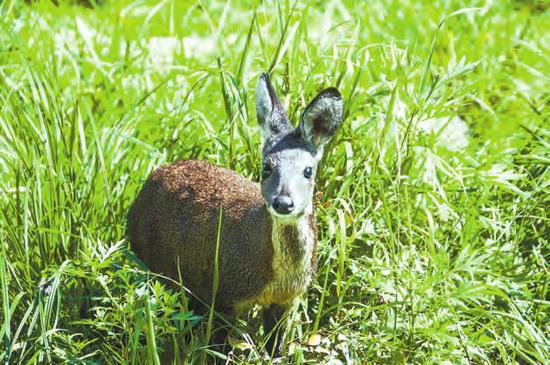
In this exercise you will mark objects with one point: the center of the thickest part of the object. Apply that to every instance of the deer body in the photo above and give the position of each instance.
(268, 233)
(173, 225)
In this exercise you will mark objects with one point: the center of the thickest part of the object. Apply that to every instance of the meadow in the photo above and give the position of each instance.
(432, 200)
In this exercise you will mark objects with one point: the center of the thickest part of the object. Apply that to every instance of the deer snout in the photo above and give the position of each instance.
(282, 204)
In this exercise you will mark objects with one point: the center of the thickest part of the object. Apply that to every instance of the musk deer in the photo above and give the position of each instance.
(268, 237)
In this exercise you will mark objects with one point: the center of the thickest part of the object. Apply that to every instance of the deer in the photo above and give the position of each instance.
(264, 235)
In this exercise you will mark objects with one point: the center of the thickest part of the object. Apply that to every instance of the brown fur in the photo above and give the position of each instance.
(173, 226)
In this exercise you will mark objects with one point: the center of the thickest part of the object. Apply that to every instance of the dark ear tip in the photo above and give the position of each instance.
(331, 92)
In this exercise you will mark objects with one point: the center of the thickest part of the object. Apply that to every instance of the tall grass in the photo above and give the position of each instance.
(432, 201)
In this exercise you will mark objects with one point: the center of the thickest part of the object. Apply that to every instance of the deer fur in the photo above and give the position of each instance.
(268, 241)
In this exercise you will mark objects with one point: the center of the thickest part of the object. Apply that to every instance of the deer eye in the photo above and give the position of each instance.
(266, 171)
(308, 172)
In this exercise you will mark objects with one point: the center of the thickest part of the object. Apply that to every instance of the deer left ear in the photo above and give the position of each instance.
(322, 117)
(270, 111)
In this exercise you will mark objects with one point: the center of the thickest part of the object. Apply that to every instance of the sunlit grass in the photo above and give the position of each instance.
(432, 202)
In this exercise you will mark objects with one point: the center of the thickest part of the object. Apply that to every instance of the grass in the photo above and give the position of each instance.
(433, 198)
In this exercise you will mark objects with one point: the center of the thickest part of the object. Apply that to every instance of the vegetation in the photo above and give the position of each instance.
(433, 201)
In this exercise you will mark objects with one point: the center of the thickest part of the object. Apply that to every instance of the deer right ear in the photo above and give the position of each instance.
(322, 117)
(270, 111)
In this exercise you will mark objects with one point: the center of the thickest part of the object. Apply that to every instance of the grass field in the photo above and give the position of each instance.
(434, 233)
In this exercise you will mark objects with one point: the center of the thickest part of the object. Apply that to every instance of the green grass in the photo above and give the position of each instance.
(433, 220)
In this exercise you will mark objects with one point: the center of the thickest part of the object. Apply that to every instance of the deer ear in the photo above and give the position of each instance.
(270, 111)
(322, 117)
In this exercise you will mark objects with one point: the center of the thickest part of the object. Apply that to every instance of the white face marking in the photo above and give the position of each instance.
(288, 178)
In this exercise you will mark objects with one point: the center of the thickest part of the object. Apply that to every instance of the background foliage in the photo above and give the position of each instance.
(433, 216)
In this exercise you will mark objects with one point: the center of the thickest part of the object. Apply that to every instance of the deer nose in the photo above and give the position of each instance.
(283, 204)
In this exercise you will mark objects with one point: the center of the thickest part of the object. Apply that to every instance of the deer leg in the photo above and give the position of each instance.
(272, 316)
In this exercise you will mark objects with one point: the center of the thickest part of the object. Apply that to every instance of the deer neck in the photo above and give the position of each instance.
(294, 244)
(294, 250)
